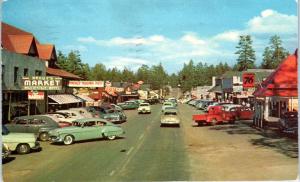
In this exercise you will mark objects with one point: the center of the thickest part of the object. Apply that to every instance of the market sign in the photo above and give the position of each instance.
(41, 83)
(248, 80)
(86, 84)
(36, 95)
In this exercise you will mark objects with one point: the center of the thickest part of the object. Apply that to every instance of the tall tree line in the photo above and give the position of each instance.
(189, 76)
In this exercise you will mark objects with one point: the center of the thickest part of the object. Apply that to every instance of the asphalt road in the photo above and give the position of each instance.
(151, 153)
(147, 152)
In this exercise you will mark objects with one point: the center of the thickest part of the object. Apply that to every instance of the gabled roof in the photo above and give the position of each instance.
(20, 43)
(283, 81)
(61, 73)
(45, 51)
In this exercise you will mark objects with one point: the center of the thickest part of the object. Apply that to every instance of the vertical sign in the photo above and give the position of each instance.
(248, 80)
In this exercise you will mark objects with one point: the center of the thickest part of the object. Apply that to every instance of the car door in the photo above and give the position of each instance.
(19, 125)
(246, 113)
(90, 131)
(34, 125)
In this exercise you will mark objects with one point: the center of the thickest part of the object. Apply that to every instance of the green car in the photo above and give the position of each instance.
(129, 105)
(85, 129)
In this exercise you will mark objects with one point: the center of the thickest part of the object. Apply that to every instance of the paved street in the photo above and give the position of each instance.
(148, 152)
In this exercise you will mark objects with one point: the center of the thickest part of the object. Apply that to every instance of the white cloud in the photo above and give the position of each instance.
(192, 39)
(271, 21)
(86, 39)
(128, 62)
(230, 36)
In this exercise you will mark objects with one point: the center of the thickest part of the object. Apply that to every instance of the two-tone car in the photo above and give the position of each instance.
(128, 105)
(170, 117)
(86, 129)
(36, 124)
(22, 143)
(166, 104)
(144, 108)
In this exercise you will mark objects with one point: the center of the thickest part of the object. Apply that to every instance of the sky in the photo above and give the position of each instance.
(130, 33)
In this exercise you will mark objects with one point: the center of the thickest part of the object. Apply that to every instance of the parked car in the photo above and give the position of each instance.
(39, 125)
(116, 107)
(72, 114)
(85, 129)
(288, 123)
(128, 105)
(166, 104)
(61, 118)
(5, 151)
(22, 143)
(114, 116)
(243, 113)
(85, 112)
(210, 104)
(170, 117)
(216, 114)
(144, 108)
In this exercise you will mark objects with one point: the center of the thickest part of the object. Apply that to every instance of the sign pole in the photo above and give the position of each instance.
(28, 110)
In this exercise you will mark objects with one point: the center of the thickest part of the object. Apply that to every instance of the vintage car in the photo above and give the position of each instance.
(128, 105)
(170, 117)
(60, 118)
(85, 112)
(85, 129)
(215, 115)
(144, 108)
(243, 113)
(166, 104)
(39, 125)
(5, 151)
(114, 116)
(22, 143)
(72, 114)
(288, 123)
(116, 107)
(173, 100)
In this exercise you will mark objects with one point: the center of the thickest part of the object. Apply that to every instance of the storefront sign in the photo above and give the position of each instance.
(41, 83)
(36, 95)
(86, 84)
(238, 88)
(248, 80)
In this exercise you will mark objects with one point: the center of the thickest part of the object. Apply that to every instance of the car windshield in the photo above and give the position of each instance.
(170, 113)
(5, 131)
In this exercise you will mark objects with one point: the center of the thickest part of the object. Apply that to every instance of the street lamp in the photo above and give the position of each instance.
(178, 90)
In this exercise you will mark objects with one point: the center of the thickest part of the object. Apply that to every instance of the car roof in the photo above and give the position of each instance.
(83, 120)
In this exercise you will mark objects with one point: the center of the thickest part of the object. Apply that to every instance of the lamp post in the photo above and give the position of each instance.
(178, 90)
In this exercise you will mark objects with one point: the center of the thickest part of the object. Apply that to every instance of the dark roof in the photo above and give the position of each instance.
(61, 73)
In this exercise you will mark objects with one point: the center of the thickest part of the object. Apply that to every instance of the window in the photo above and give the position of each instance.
(3, 69)
(38, 73)
(21, 121)
(16, 70)
(35, 121)
(25, 71)
(90, 123)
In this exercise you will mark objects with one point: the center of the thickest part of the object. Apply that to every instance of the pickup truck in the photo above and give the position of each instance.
(216, 114)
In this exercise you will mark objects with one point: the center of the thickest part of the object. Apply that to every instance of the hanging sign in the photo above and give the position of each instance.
(36, 95)
(248, 80)
(86, 83)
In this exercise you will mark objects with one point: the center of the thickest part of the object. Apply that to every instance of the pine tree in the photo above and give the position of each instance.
(246, 53)
(267, 59)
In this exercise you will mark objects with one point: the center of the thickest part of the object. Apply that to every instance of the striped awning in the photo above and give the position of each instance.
(64, 98)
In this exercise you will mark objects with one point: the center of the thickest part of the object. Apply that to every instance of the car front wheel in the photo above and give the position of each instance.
(23, 148)
(44, 136)
(68, 140)
(112, 137)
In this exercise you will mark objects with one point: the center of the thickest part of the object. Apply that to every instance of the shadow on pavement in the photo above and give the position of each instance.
(271, 139)
(7, 160)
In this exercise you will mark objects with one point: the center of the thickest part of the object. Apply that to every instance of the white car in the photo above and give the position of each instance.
(67, 115)
(170, 117)
(144, 108)
(166, 104)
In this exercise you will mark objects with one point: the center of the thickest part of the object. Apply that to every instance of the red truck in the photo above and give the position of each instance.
(216, 114)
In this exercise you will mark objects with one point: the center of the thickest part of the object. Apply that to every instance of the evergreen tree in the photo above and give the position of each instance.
(246, 54)
(278, 52)
(267, 59)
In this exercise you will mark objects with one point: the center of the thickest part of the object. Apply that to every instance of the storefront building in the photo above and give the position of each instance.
(277, 94)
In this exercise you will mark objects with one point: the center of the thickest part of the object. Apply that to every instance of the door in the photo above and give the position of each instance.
(89, 131)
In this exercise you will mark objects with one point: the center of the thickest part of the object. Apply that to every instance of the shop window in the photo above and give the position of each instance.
(25, 71)
(16, 73)
(38, 73)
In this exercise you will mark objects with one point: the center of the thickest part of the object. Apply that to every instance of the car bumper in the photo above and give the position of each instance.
(144, 111)
(55, 139)
(37, 146)
(170, 122)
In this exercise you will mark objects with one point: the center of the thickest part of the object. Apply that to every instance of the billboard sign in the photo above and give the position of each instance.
(83, 84)
(41, 83)
(248, 80)
(36, 95)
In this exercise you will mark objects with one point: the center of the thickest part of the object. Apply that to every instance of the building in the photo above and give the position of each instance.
(24, 56)
(278, 93)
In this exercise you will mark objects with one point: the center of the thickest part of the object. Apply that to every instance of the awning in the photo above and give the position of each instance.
(216, 88)
(64, 98)
(86, 98)
(61, 73)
